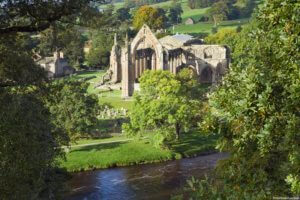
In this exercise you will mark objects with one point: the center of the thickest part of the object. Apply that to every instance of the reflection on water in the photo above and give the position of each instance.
(152, 181)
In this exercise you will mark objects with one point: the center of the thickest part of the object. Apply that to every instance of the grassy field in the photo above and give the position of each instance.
(133, 152)
(196, 14)
(205, 27)
(111, 97)
(187, 12)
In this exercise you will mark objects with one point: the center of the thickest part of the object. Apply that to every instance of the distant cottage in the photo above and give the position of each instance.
(56, 66)
(189, 21)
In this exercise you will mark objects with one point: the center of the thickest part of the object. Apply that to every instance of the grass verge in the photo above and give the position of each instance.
(134, 152)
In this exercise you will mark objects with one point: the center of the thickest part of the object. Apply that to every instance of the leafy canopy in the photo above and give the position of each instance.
(256, 109)
(164, 104)
(154, 17)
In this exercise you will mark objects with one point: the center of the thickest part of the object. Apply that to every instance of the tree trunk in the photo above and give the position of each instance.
(177, 129)
(215, 20)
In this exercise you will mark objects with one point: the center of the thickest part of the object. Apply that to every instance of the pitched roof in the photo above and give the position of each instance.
(175, 41)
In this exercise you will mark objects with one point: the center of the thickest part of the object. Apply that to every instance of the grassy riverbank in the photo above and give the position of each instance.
(125, 153)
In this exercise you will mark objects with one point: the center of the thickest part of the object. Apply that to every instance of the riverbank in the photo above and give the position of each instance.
(131, 152)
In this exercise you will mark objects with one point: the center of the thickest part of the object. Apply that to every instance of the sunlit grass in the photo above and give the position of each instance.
(111, 97)
(132, 152)
(205, 27)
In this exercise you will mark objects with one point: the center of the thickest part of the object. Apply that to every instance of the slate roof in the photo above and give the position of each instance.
(175, 41)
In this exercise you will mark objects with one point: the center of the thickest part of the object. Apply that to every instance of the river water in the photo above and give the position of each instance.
(140, 182)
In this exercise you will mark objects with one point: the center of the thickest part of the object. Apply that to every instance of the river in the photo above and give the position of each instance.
(140, 182)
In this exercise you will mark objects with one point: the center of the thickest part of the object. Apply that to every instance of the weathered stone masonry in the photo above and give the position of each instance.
(146, 52)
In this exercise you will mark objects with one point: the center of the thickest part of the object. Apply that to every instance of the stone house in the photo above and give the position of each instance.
(56, 66)
(189, 21)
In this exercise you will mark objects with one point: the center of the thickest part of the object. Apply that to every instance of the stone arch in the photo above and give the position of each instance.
(146, 36)
(206, 75)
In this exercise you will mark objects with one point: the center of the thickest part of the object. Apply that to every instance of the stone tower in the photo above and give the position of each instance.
(127, 71)
(115, 61)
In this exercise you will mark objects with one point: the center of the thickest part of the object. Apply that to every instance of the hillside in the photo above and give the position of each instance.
(195, 14)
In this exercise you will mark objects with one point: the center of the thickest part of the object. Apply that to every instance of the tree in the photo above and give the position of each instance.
(155, 18)
(36, 15)
(123, 14)
(29, 141)
(168, 108)
(175, 13)
(100, 51)
(28, 147)
(200, 3)
(72, 110)
(256, 109)
(65, 38)
(192, 4)
(223, 36)
(17, 66)
(218, 12)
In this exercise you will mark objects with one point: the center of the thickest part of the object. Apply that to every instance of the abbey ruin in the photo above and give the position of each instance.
(146, 52)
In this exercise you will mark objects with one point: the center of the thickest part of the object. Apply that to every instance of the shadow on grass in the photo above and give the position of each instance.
(105, 126)
(98, 147)
(194, 143)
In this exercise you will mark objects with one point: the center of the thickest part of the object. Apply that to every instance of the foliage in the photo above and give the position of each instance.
(123, 14)
(65, 38)
(223, 36)
(71, 108)
(36, 15)
(168, 108)
(218, 12)
(99, 53)
(154, 17)
(175, 13)
(28, 147)
(200, 3)
(16, 65)
(29, 140)
(256, 109)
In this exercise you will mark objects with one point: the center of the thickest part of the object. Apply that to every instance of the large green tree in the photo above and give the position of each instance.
(164, 104)
(36, 15)
(30, 140)
(256, 110)
(175, 13)
(218, 12)
(72, 109)
(99, 53)
(29, 147)
(154, 17)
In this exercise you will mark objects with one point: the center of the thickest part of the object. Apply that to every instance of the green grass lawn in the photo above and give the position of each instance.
(133, 152)
(111, 97)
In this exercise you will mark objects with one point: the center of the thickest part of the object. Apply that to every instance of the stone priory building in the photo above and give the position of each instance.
(173, 53)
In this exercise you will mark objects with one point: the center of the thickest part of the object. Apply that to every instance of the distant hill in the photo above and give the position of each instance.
(195, 14)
